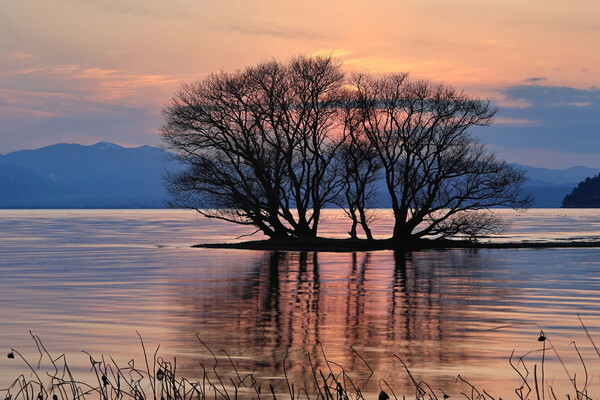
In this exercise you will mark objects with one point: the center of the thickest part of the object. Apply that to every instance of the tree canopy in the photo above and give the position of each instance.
(272, 145)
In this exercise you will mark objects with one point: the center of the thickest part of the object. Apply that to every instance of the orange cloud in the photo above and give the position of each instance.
(432, 69)
(334, 53)
(100, 84)
(127, 85)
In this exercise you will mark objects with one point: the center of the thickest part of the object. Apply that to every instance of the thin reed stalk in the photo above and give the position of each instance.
(157, 379)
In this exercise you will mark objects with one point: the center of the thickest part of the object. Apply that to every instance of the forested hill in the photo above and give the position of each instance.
(585, 195)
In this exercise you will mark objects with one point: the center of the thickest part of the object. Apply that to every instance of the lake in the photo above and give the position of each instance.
(88, 280)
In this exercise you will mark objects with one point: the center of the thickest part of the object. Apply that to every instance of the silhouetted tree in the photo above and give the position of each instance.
(259, 144)
(273, 144)
(436, 173)
(361, 171)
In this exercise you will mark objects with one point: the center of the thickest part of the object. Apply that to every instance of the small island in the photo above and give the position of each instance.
(353, 245)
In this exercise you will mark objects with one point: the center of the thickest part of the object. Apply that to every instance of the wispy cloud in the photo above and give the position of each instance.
(535, 79)
(546, 158)
(40, 104)
(24, 71)
(338, 53)
(504, 102)
(15, 104)
(551, 96)
(94, 73)
(272, 29)
(515, 121)
(432, 69)
(12, 111)
(580, 104)
(109, 84)
(92, 83)
(20, 55)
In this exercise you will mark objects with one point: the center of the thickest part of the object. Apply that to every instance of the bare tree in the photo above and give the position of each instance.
(272, 145)
(433, 168)
(259, 144)
(314, 127)
(361, 171)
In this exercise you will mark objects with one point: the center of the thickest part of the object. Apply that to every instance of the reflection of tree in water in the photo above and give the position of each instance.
(284, 292)
(416, 312)
(380, 304)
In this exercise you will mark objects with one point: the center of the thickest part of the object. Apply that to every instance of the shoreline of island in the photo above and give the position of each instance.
(357, 245)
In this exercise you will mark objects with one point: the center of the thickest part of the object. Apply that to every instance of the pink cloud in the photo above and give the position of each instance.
(515, 121)
(94, 73)
(91, 84)
(21, 55)
(512, 103)
(25, 71)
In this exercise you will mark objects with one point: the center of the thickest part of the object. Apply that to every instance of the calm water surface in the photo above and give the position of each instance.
(88, 280)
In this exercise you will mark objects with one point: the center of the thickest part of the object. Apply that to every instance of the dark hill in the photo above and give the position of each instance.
(585, 195)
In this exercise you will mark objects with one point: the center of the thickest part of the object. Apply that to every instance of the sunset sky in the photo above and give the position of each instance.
(101, 70)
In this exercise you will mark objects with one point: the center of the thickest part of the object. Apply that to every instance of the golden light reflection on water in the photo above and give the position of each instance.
(89, 280)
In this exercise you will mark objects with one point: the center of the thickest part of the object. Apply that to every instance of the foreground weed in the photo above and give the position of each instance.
(157, 379)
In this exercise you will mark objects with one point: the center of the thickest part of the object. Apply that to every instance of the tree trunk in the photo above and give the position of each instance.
(352, 232)
(364, 223)
(401, 234)
(279, 230)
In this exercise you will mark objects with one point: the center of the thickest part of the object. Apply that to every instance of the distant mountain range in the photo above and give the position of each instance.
(550, 186)
(103, 175)
(106, 175)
